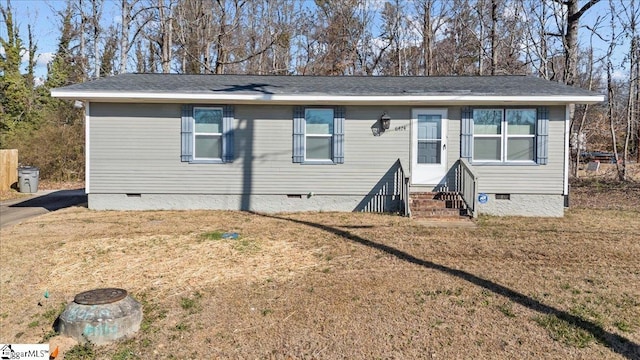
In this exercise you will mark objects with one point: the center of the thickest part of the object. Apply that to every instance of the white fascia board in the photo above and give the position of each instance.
(109, 96)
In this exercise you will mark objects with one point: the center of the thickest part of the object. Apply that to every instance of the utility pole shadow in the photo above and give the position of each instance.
(615, 342)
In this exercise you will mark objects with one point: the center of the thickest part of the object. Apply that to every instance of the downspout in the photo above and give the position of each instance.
(87, 146)
(567, 124)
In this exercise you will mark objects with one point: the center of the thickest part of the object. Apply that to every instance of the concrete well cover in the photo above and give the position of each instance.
(101, 323)
(100, 296)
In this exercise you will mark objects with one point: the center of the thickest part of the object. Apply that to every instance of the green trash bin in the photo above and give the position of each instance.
(28, 179)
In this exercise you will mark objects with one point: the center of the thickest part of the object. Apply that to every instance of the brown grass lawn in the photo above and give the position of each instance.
(334, 285)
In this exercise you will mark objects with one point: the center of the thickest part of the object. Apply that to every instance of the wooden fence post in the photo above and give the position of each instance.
(8, 168)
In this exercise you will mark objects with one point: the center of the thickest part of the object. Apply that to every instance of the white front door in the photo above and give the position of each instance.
(428, 146)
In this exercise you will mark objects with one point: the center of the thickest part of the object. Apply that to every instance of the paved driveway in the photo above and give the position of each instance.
(15, 211)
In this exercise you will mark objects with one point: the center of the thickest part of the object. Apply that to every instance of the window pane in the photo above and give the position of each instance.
(319, 148)
(486, 148)
(520, 148)
(319, 121)
(208, 120)
(429, 127)
(429, 151)
(521, 121)
(487, 121)
(208, 146)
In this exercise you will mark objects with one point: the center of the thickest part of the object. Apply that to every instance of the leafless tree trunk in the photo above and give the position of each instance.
(219, 42)
(590, 65)
(96, 14)
(432, 15)
(536, 36)
(124, 35)
(611, 94)
(636, 115)
(83, 41)
(141, 63)
(631, 15)
(427, 37)
(494, 36)
(166, 35)
(583, 118)
(480, 50)
(574, 13)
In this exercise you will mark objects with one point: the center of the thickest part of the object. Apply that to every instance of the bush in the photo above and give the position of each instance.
(57, 149)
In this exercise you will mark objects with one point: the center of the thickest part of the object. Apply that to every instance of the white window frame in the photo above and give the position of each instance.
(490, 136)
(307, 135)
(195, 133)
(504, 137)
(515, 136)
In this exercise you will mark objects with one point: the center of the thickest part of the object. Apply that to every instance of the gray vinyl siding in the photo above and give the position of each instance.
(529, 179)
(135, 148)
(453, 143)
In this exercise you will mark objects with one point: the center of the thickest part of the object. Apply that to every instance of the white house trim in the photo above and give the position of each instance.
(111, 96)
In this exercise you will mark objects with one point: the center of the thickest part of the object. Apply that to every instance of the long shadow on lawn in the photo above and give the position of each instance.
(615, 342)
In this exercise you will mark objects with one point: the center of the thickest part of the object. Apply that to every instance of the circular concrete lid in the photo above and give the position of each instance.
(100, 296)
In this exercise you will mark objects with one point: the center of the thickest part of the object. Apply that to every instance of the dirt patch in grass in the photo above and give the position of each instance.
(335, 285)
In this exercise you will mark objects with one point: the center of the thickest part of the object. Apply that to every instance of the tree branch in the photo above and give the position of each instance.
(582, 10)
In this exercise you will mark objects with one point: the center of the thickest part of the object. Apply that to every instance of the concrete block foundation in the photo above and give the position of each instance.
(523, 205)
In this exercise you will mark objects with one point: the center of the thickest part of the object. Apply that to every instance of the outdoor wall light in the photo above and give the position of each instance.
(385, 121)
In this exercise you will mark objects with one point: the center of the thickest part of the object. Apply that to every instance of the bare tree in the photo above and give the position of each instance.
(109, 53)
(369, 52)
(391, 35)
(431, 17)
(83, 41)
(494, 36)
(332, 41)
(543, 47)
(579, 126)
(570, 35)
(96, 15)
(457, 50)
(611, 91)
(629, 17)
(164, 38)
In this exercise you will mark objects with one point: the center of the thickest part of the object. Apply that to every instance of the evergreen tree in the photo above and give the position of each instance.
(14, 92)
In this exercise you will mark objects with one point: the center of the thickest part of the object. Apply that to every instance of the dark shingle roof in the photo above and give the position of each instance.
(329, 85)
